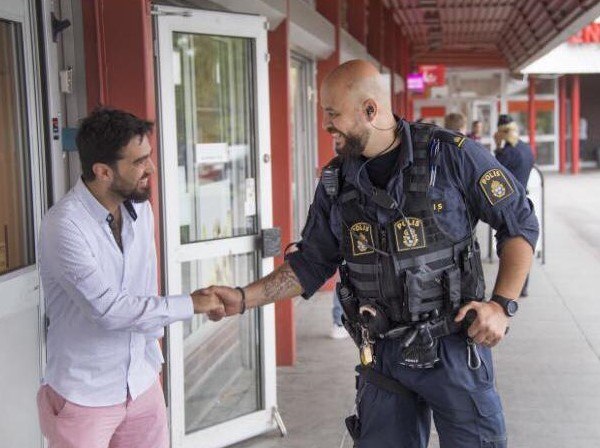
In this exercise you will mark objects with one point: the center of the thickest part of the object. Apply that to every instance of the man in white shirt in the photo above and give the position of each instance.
(98, 270)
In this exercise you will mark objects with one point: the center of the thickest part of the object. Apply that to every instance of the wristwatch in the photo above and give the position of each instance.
(509, 306)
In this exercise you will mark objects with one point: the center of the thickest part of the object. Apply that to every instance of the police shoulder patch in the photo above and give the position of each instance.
(459, 141)
(495, 186)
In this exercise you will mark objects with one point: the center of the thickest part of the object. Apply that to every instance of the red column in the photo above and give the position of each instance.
(119, 67)
(406, 69)
(408, 102)
(562, 124)
(281, 156)
(357, 19)
(332, 11)
(397, 59)
(532, 115)
(375, 30)
(575, 110)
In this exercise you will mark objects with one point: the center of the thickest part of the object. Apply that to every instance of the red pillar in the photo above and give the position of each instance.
(375, 30)
(397, 61)
(357, 19)
(575, 110)
(404, 71)
(119, 67)
(331, 10)
(388, 50)
(562, 124)
(281, 156)
(532, 115)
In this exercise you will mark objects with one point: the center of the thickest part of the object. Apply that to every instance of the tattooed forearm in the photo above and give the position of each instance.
(281, 283)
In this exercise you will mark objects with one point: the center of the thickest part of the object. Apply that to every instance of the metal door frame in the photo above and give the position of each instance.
(169, 20)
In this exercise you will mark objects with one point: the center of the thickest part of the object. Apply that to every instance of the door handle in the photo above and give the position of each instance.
(270, 242)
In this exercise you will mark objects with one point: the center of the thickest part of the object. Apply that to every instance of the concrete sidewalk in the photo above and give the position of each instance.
(547, 370)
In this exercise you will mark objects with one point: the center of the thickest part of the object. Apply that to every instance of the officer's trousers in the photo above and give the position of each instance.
(465, 405)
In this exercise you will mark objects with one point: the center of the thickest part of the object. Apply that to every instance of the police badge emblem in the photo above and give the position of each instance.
(409, 237)
(361, 236)
(495, 186)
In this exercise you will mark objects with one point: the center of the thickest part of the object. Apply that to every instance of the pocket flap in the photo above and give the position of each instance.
(487, 402)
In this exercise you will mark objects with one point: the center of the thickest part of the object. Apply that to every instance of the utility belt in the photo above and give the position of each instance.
(367, 322)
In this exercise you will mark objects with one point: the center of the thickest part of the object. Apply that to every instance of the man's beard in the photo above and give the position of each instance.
(354, 145)
(134, 194)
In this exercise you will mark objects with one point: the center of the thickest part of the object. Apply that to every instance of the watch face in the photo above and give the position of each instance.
(511, 307)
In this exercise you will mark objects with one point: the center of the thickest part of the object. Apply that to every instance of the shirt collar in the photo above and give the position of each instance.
(95, 208)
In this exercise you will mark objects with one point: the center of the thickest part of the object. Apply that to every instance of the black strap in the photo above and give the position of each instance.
(381, 381)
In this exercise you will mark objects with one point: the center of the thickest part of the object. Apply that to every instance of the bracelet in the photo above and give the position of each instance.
(240, 289)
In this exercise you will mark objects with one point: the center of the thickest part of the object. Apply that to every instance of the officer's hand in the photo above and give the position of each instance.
(490, 326)
(231, 299)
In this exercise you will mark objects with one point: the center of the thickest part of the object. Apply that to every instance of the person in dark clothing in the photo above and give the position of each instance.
(511, 151)
(395, 212)
(516, 156)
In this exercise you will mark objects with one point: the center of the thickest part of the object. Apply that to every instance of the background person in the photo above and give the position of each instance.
(516, 156)
(457, 122)
(476, 131)
(98, 270)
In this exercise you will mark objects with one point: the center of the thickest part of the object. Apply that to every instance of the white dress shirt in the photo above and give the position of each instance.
(104, 312)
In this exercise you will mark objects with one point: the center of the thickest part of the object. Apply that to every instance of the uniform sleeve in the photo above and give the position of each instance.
(319, 254)
(493, 194)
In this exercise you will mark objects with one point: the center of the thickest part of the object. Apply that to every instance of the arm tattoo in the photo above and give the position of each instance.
(281, 283)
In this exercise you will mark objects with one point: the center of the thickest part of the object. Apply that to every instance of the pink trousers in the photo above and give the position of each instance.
(139, 423)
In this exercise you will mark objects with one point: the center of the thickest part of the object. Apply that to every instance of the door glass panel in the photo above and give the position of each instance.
(215, 139)
(16, 201)
(221, 359)
(303, 146)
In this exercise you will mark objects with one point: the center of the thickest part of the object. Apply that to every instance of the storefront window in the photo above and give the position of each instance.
(16, 213)
(544, 122)
(545, 153)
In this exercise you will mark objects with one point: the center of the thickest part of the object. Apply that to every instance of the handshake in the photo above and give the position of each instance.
(218, 302)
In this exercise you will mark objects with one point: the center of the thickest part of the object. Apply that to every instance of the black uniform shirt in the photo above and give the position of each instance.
(468, 176)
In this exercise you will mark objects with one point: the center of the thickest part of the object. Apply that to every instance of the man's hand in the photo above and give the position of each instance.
(490, 326)
(229, 298)
(206, 303)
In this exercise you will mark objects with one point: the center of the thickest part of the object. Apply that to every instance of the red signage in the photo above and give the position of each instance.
(589, 35)
(433, 75)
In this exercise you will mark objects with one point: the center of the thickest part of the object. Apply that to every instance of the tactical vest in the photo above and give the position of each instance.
(408, 268)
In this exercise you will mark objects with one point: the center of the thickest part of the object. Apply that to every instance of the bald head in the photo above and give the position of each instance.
(357, 109)
(357, 81)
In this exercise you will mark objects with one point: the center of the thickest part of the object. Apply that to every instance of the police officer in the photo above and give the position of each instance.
(511, 151)
(516, 156)
(396, 211)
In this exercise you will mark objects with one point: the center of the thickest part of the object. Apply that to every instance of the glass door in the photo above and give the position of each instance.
(214, 119)
(304, 144)
(20, 210)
